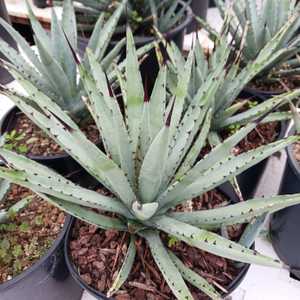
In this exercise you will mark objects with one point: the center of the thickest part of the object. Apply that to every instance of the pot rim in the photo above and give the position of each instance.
(262, 93)
(9, 284)
(10, 117)
(249, 93)
(225, 189)
(293, 163)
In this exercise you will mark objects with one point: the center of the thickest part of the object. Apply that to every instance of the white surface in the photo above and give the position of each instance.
(18, 8)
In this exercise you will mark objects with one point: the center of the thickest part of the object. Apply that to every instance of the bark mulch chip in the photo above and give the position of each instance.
(27, 236)
(264, 134)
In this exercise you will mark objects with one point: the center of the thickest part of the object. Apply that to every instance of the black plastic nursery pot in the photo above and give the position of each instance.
(199, 9)
(212, 3)
(62, 163)
(285, 224)
(226, 189)
(40, 3)
(47, 279)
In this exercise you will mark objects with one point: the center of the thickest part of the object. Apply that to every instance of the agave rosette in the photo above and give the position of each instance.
(53, 68)
(252, 25)
(226, 109)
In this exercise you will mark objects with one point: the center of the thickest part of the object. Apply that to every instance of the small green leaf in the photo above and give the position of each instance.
(39, 220)
(24, 227)
(17, 251)
(22, 149)
(4, 244)
(172, 241)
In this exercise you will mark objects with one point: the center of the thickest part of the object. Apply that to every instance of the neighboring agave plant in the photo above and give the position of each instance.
(253, 25)
(87, 13)
(54, 70)
(149, 165)
(229, 112)
(226, 110)
(164, 15)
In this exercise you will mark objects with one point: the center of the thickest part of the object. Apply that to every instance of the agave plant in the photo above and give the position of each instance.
(149, 165)
(87, 13)
(164, 15)
(252, 25)
(226, 110)
(54, 70)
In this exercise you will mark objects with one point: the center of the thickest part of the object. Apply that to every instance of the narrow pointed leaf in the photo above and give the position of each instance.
(213, 243)
(69, 22)
(29, 72)
(193, 153)
(239, 213)
(134, 91)
(55, 71)
(158, 103)
(23, 44)
(167, 267)
(197, 183)
(125, 269)
(152, 170)
(108, 31)
(38, 30)
(42, 179)
(252, 231)
(62, 52)
(4, 188)
(86, 215)
(194, 278)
